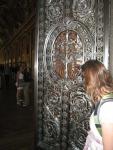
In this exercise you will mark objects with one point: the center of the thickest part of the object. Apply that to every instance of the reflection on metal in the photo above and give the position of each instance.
(70, 33)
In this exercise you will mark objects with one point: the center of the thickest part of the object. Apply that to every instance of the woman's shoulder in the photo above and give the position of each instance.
(106, 112)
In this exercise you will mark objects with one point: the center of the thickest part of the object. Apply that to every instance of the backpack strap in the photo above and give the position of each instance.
(96, 118)
(106, 98)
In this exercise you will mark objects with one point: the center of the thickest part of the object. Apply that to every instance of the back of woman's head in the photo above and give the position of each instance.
(97, 79)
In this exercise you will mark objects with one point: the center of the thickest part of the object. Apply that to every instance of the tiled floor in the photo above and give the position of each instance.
(16, 123)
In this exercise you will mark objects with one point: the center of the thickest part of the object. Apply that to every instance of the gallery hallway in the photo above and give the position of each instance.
(16, 123)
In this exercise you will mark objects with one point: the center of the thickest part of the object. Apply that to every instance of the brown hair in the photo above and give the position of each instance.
(98, 80)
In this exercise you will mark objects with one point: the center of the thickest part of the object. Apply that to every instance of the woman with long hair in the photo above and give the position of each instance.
(98, 84)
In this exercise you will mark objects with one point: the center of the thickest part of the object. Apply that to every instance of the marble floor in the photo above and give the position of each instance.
(16, 123)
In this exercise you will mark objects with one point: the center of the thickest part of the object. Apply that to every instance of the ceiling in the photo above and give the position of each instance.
(12, 14)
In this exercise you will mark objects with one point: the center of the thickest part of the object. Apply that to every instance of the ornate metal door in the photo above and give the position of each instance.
(69, 32)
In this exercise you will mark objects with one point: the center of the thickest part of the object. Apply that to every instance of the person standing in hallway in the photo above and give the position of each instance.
(20, 85)
(7, 75)
(27, 82)
(99, 86)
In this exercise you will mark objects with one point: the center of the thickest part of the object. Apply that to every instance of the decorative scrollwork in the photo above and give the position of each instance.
(80, 110)
(82, 8)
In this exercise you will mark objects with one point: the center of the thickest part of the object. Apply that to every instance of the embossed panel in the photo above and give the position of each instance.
(70, 33)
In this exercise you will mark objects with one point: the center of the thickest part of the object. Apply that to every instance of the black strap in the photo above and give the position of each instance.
(96, 108)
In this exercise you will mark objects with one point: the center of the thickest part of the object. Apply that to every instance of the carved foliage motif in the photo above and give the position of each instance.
(54, 12)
